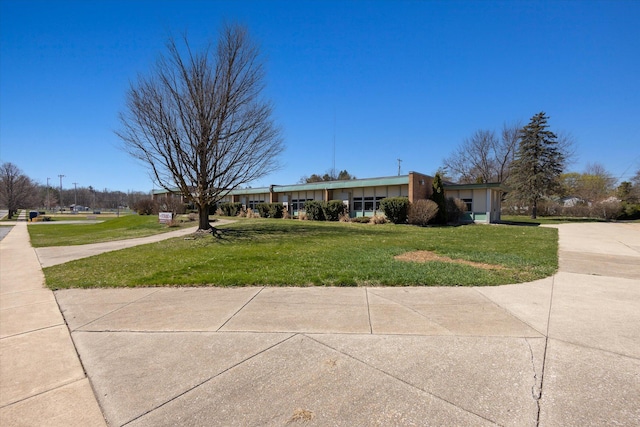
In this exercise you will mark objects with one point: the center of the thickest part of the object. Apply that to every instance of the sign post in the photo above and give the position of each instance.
(165, 217)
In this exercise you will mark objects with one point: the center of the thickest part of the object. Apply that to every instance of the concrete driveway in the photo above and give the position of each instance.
(561, 351)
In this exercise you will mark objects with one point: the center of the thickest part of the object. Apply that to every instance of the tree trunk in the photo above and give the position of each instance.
(203, 214)
(534, 210)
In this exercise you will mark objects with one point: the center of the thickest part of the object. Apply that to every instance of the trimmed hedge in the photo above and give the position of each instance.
(230, 209)
(270, 210)
(314, 210)
(333, 209)
(395, 209)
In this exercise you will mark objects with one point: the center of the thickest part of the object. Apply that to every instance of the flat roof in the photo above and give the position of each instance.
(351, 183)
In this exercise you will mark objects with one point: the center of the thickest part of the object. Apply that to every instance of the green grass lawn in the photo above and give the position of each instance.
(124, 227)
(301, 253)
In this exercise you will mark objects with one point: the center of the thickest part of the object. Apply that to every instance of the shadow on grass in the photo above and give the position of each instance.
(521, 223)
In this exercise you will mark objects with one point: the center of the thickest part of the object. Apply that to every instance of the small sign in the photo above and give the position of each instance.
(165, 217)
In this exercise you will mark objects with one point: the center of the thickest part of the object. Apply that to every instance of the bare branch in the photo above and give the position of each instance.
(199, 122)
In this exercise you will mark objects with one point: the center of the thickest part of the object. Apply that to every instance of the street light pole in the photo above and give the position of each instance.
(48, 204)
(61, 176)
(75, 196)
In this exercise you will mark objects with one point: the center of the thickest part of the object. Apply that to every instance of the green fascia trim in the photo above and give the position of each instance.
(163, 191)
(243, 191)
(336, 185)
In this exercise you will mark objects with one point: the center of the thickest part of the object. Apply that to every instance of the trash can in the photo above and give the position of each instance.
(32, 214)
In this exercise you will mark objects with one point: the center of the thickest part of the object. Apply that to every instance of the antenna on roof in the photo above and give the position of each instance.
(399, 161)
(334, 143)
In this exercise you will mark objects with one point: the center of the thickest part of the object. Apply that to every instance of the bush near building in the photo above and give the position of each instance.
(395, 209)
(422, 212)
(146, 207)
(455, 209)
(334, 209)
(270, 210)
(314, 210)
(230, 209)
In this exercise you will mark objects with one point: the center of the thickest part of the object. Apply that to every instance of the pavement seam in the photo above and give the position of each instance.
(588, 347)
(106, 314)
(507, 311)
(416, 312)
(240, 309)
(209, 379)
(401, 380)
(73, 381)
(546, 346)
(366, 294)
(34, 330)
(25, 305)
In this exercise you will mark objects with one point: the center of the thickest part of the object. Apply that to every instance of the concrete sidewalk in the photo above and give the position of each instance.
(560, 351)
(42, 380)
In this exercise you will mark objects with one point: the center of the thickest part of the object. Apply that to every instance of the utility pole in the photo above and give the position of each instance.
(399, 161)
(61, 176)
(75, 196)
(48, 204)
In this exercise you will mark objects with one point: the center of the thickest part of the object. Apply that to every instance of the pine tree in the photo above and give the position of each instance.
(537, 165)
(440, 199)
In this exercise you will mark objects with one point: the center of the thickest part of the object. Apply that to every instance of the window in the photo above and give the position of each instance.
(254, 203)
(469, 204)
(368, 203)
(298, 204)
(378, 199)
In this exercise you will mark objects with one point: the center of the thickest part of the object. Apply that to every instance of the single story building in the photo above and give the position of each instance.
(362, 196)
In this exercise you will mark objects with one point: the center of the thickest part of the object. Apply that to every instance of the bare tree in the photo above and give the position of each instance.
(16, 189)
(484, 157)
(199, 121)
(593, 185)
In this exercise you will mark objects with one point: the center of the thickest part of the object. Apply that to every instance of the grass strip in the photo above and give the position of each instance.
(119, 228)
(302, 253)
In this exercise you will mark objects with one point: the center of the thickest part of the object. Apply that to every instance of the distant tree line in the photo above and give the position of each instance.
(18, 191)
(330, 175)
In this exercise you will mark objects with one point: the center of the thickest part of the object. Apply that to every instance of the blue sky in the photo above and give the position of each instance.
(384, 80)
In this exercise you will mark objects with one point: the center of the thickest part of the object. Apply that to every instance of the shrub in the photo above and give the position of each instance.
(230, 209)
(314, 210)
(629, 211)
(422, 211)
(302, 216)
(344, 217)
(395, 209)
(192, 217)
(378, 219)
(270, 210)
(333, 209)
(361, 219)
(455, 209)
(607, 209)
(579, 210)
(263, 209)
(146, 207)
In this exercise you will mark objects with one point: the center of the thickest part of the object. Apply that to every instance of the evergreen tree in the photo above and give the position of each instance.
(440, 199)
(537, 165)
